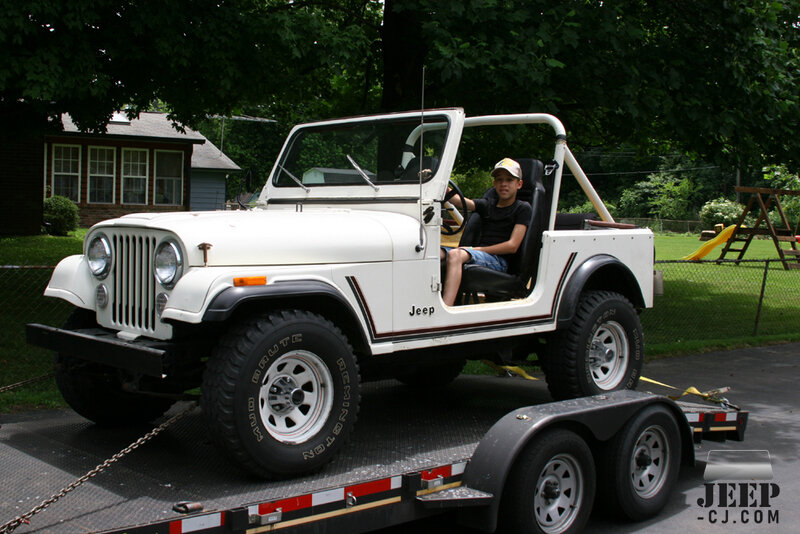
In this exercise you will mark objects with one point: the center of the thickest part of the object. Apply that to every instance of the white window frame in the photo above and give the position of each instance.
(146, 176)
(179, 201)
(53, 169)
(113, 175)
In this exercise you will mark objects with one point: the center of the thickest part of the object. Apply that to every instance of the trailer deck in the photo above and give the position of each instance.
(401, 431)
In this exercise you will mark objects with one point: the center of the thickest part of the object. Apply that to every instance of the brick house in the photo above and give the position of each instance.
(140, 165)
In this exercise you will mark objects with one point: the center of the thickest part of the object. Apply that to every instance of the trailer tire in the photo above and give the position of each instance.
(95, 391)
(551, 487)
(641, 464)
(281, 393)
(601, 351)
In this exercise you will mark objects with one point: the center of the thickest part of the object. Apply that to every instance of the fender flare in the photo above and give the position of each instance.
(596, 418)
(226, 302)
(624, 282)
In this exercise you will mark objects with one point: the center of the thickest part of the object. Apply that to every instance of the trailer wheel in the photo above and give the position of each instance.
(642, 464)
(281, 393)
(601, 351)
(552, 486)
(95, 391)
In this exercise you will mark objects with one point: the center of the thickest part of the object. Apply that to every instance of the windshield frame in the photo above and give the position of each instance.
(435, 120)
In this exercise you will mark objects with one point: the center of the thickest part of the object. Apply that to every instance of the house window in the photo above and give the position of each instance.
(102, 174)
(67, 171)
(134, 176)
(169, 177)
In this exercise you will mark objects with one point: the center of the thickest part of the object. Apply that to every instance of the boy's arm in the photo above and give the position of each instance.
(510, 246)
(456, 201)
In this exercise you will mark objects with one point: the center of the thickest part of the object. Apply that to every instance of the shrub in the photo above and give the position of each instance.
(473, 182)
(720, 210)
(60, 215)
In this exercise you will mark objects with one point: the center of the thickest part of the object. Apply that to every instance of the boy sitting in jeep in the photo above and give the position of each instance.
(503, 227)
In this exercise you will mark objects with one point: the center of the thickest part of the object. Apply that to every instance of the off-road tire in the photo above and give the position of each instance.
(562, 459)
(640, 465)
(95, 391)
(605, 326)
(276, 356)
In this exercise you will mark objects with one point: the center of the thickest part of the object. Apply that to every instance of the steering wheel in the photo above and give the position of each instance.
(451, 226)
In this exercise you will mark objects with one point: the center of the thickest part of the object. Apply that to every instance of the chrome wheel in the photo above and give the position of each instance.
(608, 355)
(649, 464)
(558, 494)
(296, 397)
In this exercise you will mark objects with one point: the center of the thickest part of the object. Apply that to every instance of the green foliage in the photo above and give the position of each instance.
(615, 73)
(473, 182)
(720, 211)
(60, 215)
(779, 177)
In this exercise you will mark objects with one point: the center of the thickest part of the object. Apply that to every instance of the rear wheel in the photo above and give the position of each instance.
(96, 392)
(281, 393)
(552, 487)
(601, 351)
(641, 464)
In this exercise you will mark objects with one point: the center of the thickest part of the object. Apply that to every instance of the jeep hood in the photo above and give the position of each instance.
(264, 237)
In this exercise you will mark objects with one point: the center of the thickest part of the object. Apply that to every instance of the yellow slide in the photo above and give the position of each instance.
(708, 246)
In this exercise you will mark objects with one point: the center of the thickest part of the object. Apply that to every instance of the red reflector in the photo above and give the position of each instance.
(250, 281)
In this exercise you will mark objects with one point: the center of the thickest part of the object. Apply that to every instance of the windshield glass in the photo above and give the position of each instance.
(373, 152)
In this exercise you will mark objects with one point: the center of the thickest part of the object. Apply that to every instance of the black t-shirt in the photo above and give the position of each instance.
(498, 223)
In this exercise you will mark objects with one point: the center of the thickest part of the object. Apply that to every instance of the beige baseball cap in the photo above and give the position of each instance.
(509, 165)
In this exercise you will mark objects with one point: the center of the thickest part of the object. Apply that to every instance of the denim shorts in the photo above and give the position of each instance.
(484, 259)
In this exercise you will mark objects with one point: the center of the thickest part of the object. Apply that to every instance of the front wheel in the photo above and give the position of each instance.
(551, 489)
(281, 393)
(601, 351)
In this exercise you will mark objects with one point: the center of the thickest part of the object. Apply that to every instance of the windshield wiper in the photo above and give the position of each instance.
(293, 177)
(361, 172)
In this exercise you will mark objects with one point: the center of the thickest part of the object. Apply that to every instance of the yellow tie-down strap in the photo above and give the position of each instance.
(511, 370)
(712, 395)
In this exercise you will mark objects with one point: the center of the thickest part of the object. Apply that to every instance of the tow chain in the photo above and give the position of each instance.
(12, 387)
(25, 518)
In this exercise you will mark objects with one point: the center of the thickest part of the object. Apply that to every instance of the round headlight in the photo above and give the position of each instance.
(99, 256)
(168, 263)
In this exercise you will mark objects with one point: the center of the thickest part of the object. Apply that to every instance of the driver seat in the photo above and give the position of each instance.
(522, 266)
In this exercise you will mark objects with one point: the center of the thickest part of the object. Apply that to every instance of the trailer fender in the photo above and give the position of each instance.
(603, 272)
(599, 417)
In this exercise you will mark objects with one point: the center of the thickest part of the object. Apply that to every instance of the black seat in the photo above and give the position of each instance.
(410, 173)
(522, 267)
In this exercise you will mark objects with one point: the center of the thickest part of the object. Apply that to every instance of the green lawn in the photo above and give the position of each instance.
(40, 249)
(676, 246)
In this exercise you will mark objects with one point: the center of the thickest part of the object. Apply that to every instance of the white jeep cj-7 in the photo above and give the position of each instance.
(278, 313)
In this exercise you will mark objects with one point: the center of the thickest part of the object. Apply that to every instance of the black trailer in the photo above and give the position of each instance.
(469, 453)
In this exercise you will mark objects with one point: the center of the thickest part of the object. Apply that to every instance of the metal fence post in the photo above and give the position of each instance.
(761, 296)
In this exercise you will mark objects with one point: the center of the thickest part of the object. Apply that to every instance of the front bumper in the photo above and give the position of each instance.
(102, 346)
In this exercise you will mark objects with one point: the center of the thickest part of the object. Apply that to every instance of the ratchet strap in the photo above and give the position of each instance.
(712, 395)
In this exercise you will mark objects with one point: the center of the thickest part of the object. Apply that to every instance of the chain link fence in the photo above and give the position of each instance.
(705, 300)
(21, 302)
(723, 300)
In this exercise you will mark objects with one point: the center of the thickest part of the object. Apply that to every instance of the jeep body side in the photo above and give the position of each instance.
(279, 312)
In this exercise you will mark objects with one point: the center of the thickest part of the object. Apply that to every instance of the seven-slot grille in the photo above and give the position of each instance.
(133, 296)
